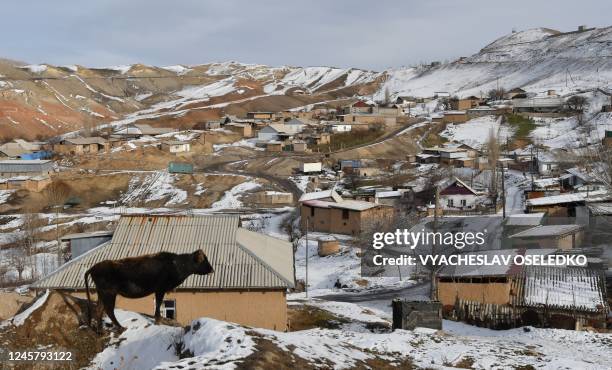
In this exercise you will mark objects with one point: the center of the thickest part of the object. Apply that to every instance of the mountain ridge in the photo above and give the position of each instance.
(42, 100)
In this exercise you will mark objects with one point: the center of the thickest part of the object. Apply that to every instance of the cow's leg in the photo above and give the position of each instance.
(109, 306)
(99, 313)
(159, 299)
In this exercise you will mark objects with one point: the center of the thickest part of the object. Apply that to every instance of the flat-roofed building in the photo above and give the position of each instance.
(25, 167)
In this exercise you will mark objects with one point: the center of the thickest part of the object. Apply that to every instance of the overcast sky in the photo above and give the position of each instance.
(366, 34)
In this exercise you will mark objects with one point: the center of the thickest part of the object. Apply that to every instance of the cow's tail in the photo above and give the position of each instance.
(87, 274)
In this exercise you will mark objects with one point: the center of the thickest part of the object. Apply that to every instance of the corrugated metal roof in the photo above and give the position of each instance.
(525, 219)
(573, 288)
(235, 267)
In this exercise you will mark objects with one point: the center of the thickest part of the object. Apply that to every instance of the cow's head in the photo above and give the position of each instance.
(202, 266)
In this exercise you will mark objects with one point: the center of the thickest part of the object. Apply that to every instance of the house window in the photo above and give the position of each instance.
(312, 210)
(345, 214)
(449, 202)
(168, 309)
(463, 202)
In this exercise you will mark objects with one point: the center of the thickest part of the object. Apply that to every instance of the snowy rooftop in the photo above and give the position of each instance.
(548, 230)
(320, 195)
(565, 198)
(564, 288)
(528, 219)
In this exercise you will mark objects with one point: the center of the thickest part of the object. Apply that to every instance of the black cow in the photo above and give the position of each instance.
(137, 277)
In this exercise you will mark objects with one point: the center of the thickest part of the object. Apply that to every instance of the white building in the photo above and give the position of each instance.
(458, 196)
(340, 127)
(177, 146)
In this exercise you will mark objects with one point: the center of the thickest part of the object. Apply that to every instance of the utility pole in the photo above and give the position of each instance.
(306, 282)
(432, 283)
(503, 192)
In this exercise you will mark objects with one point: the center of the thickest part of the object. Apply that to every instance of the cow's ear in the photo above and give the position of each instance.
(199, 256)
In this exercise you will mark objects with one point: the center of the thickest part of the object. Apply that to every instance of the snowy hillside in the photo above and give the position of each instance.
(536, 60)
(361, 339)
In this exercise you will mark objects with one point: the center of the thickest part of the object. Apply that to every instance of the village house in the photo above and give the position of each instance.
(427, 158)
(368, 171)
(26, 167)
(522, 221)
(455, 116)
(545, 104)
(564, 205)
(348, 165)
(274, 146)
(274, 131)
(468, 103)
(82, 145)
(401, 200)
(506, 296)
(273, 197)
(547, 164)
(294, 126)
(252, 271)
(358, 107)
(363, 121)
(575, 179)
(328, 212)
(549, 236)
(209, 125)
(516, 92)
(388, 110)
(322, 138)
(340, 127)
(21, 149)
(242, 129)
(455, 154)
(261, 115)
(176, 146)
(136, 130)
(31, 183)
(458, 196)
(299, 146)
(482, 111)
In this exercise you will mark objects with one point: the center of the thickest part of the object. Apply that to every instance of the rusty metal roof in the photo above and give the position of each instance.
(236, 263)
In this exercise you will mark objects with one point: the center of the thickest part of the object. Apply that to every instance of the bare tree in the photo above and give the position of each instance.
(577, 103)
(19, 261)
(493, 152)
(29, 230)
(56, 195)
(496, 94)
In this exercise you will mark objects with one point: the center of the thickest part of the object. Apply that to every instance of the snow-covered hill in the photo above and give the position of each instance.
(536, 60)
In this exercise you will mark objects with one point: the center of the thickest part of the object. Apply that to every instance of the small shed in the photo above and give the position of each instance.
(175, 146)
(274, 146)
(550, 236)
(328, 245)
(409, 315)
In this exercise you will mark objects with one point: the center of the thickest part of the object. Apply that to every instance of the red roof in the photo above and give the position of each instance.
(458, 187)
(360, 104)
